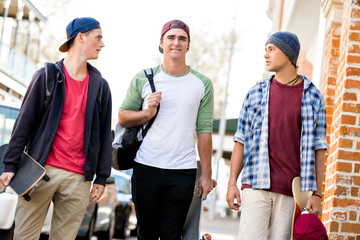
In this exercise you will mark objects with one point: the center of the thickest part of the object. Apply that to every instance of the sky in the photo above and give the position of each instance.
(131, 32)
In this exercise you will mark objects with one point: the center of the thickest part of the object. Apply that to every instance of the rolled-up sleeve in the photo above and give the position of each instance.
(320, 128)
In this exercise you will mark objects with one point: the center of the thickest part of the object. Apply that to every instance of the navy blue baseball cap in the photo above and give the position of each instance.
(78, 25)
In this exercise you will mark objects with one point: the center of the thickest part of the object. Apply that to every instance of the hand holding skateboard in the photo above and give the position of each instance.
(28, 176)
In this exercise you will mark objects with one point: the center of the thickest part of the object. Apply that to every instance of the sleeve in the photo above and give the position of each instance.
(28, 118)
(242, 122)
(103, 169)
(206, 109)
(133, 99)
(320, 126)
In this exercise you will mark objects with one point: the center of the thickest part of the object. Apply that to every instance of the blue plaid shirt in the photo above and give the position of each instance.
(253, 133)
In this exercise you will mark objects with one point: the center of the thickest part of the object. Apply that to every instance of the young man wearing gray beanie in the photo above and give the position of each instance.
(281, 134)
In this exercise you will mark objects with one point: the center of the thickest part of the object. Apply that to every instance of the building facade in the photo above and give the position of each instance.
(329, 32)
(20, 30)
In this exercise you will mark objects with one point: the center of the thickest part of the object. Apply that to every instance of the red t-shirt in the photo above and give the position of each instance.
(67, 151)
(284, 135)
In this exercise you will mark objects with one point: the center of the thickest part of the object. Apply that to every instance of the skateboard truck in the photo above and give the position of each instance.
(27, 196)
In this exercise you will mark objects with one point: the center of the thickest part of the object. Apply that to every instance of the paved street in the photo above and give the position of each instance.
(219, 228)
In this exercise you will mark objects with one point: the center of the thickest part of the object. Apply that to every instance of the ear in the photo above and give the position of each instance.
(80, 37)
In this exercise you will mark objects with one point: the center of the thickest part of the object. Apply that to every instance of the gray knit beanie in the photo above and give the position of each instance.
(288, 43)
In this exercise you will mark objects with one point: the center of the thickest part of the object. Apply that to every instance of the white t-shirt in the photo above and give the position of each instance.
(186, 108)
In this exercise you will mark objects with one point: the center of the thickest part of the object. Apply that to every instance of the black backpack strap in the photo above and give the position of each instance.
(50, 75)
(150, 76)
(99, 96)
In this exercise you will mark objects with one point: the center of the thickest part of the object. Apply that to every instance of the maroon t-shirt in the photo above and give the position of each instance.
(284, 135)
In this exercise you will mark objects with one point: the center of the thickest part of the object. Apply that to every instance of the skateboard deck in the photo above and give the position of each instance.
(192, 223)
(300, 201)
(28, 177)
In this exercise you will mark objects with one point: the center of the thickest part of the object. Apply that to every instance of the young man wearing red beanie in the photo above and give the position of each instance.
(165, 165)
(281, 135)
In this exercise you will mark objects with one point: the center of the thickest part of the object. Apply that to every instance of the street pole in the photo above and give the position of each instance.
(222, 124)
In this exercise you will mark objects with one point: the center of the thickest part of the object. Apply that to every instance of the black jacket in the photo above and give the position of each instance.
(36, 128)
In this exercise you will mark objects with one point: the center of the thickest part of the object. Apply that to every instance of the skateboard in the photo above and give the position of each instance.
(192, 223)
(28, 177)
(300, 201)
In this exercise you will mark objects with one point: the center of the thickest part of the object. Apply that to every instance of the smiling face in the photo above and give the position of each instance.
(275, 59)
(175, 43)
(92, 43)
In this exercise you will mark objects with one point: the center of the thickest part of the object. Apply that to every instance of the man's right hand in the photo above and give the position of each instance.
(6, 177)
(153, 100)
(233, 197)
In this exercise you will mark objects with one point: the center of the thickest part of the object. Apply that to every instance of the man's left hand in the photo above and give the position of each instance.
(96, 192)
(205, 186)
(314, 205)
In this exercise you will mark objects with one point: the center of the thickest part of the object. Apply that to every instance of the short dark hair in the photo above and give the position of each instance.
(71, 42)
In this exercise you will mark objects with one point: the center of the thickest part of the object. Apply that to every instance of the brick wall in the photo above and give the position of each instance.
(341, 204)
(331, 57)
(305, 67)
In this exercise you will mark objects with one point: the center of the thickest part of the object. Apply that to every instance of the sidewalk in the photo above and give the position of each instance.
(220, 228)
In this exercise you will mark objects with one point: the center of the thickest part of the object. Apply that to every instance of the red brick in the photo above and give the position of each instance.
(346, 143)
(352, 84)
(342, 180)
(358, 146)
(336, 236)
(348, 119)
(357, 168)
(354, 49)
(355, 192)
(352, 216)
(356, 180)
(350, 227)
(334, 226)
(341, 191)
(355, 25)
(353, 59)
(355, 13)
(344, 167)
(352, 71)
(351, 107)
(354, 36)
(350, 97)
(350, 131)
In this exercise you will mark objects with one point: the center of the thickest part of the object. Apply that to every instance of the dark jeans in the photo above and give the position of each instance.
(162, 198)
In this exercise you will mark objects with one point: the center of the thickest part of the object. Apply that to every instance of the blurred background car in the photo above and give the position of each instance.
(8, 199)
(125, 218)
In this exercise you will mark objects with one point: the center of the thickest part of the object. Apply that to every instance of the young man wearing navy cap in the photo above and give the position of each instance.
(165, 165)
(281, 134)
(71, 137)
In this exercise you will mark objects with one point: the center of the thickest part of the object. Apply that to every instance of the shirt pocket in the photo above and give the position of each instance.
(255, 118)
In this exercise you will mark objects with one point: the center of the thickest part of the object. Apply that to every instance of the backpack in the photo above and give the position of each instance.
(127, 141)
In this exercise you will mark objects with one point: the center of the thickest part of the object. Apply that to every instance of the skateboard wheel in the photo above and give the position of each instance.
(214, 182)
(206, 236)
(46, 178)
(27, 197)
